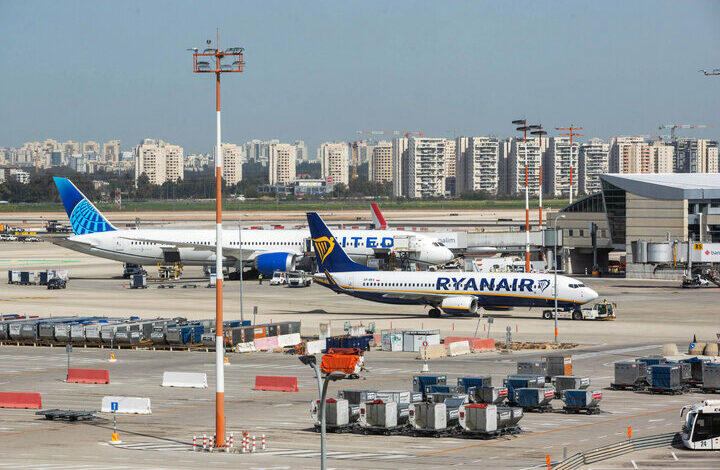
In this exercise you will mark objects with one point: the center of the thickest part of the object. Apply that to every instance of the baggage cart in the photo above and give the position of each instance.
(576, 401)
(138, 281)
(383, 417)
(486, 421)
(630, 374)
(569, 382)
(532, 368)
(434, 419)
(420, 382)
(513, 382)
(666, 378)
(488, 395)
(534, 399)
(711, 377)
(558, 364)
(466, 383)
(696, 369)
(337, 417)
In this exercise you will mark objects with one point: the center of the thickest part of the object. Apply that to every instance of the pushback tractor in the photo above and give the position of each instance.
(701, 430)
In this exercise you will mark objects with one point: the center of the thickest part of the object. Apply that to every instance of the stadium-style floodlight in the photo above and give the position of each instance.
(524, 128)
(209, 62)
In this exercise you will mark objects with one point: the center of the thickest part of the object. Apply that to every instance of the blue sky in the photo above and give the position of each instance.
(320, 70)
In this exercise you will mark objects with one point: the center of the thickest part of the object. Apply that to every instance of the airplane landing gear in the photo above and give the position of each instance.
(434, 312)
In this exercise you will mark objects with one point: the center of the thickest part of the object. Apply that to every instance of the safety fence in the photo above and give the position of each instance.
(617, 449)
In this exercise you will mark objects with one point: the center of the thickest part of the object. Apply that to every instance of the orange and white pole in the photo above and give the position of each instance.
(527, 214)
(219, 344)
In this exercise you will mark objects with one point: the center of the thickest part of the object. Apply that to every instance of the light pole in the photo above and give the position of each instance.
(539, 132)
(210, 61)
(322, 393)
(522, 126)
(242, 317)
(561, 216)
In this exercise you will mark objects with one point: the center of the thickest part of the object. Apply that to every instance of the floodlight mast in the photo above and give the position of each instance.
(204, 66)
(522, 123)
(539, 132)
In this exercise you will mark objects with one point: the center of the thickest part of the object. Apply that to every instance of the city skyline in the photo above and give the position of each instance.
(101, 71)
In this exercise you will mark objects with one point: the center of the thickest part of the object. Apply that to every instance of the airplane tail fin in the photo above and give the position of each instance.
(84, 216)
(329, 253)
(378, 220)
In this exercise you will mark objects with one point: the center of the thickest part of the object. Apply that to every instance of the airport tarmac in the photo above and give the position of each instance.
(650, 313)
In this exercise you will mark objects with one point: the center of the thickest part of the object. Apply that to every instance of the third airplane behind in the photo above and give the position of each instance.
(459, 293)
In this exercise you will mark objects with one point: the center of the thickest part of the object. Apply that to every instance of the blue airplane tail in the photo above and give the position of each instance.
(329, 253)
(84, 216)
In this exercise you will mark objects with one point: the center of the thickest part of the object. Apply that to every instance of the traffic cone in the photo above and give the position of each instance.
(227, 361)
(112, 358)
(115, 438)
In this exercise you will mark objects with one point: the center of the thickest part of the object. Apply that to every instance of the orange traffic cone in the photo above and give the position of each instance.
(115, 438)
(112, 358)
(227, 361)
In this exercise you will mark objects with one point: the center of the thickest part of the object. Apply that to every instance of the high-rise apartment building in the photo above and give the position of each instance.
(111, 151)
(522, 152)
(426, 167)
(91, 147)
(334, 162)
(399, 166)
(559, 158)
(696, 156)
(301, 150)
(662, 157)
(232, 159)
(630, 154)
(593, 161)
(70, 148)
(380, 168)
(478, 164)
(159, 160)
(450, 170)
(281, 164)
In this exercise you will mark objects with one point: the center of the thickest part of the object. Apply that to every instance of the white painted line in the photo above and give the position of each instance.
(674, 456)
(634, 464)
(656, 420)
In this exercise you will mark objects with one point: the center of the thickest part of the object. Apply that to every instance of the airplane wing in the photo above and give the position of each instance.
(229, 251)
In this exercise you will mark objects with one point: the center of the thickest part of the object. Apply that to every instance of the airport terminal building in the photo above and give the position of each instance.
(651, 217)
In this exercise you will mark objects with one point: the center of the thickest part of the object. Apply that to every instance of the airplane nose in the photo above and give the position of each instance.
(592, 295)
(446, 255)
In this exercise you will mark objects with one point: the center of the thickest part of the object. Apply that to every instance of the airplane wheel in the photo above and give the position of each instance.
(434, 313)
(547, 315)
(577, 315)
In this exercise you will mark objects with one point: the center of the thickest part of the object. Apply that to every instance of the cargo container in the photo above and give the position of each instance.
(666, 378)
(414, 339)
(398, 396)
(532, 368)
(336, 413)
(288, 327)
(27, 277)
(522, 381)
(534, 399)
(138, 281)
(685, 371)
(488, 395)
(489, 420)
(271, 329)
(569, 382)
(652, 360)
(711, 376)
(696, 369)
(420, 382)
(355, 397)
(428, 416)
(43, 278)
(558, 364)
(13, 277)
(159, 336)
(29, 331)
(630, 374)
(466, 383)
(391, 340)
(582, 400)
(382, 416)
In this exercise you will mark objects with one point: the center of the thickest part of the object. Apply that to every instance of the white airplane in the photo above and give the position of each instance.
(462, 293)
(265, 250)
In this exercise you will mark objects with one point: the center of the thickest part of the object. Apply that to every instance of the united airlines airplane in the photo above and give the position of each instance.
(265, 250)
(459, 293)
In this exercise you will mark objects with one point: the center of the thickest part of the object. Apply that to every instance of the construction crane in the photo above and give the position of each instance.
(353, 145)
(673, 127)
(714, 72)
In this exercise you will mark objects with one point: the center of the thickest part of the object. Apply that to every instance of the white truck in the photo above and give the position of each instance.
(600, 311)
(701, 430)
(299, 279)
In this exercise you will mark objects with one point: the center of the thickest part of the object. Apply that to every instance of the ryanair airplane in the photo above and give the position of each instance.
(265, 250)
(455, 293)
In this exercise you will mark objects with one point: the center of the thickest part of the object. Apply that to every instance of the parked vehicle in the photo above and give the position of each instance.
(701, 430)
(279, 278)
(298, 279)
(57, 283)
(600, 311)
(130, 269)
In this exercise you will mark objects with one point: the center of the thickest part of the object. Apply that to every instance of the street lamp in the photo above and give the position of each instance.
(209, 62)
(539, 132)
(561, 216)
(322, 393)
(524, 128)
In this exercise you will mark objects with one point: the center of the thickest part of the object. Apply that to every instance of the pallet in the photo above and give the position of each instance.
(67, 415)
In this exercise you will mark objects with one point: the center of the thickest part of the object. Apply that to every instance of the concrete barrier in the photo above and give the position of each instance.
(288, 340)
(266, 344)
(245, 347)
(185, 379)
(458, 348)
(20, 400)
(127, 405)
(88, 376)
(476, 344)
(315, 347)
(276, 383)
(432, 351)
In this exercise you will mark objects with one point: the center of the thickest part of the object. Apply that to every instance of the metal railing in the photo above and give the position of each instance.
(617, 449)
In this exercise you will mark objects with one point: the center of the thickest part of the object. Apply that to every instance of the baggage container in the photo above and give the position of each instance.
(208, 339)
(685, 371)
(355, 397)
(271, 329)
(288, 327)
(27, 277)
(488, 395)
(109, 331)
(29, 331)
(360, 342)
(398, 396)
(582, 400)
(428, 416)
(158, 337)
(466, 383)
(696, 369)
(14, 330)
(62, 332)
(260, 331)
(652, 360)
(420, 382)
(77, 333)
(534, 399)
(13, 277)
(46, 331)
(379, 414)
(93, 332)
(532, 368)
(569, 382)
(489, 420)
(240, 334)
(138, 281)
(665, 377)
(558, 364)
(391, 340)
(414, 339)
(336, 412)
(711, 376)
(43, 278)
(513, 382)
(440, 397)
(630, 374)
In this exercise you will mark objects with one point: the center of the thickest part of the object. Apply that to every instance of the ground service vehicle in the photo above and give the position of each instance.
(600, 311)
(56, 283)
(701, 430)
(279, 278)
(298, 279)
(131, 269)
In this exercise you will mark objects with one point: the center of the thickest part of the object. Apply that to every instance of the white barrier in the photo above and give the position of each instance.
(245, 347)
(315, 347)
(127, 405)
(459, 348)
(185, 379)
(288, 340)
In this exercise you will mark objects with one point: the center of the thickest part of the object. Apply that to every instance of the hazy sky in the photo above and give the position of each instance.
(319, 70)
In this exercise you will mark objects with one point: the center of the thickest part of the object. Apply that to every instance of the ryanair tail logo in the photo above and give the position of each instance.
(324, 246)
